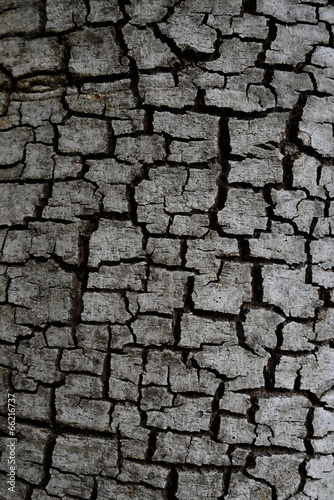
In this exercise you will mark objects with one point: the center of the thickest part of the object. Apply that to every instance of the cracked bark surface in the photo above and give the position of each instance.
(166, 273)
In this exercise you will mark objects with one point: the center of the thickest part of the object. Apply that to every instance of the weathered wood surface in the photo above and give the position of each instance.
(166, 238)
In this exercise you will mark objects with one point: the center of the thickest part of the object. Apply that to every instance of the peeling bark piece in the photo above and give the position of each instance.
(280, 243)
(94, 52)
(79, 404)
(71, 484)
(291, 46)
(125, 371)
(12, 143)
(281, 471)
(208, 485)
(154, 475)
(152, 330)
(14, 15)
(28, 199)
(63, 15)
(244, 488)
(146, 149)
(228, 293)
(110, 489)
(284, 417)
(22, 56)
(165, 291)
(161, 90)
(122, 241)
(196, 331)
(71, 452)
(147, 50)
(187, 29)
(286, 288)
(244, 212)
(260, 329)
(188, 414)
(128, 276)
(103, 307)
(315, 128)
(244, 367)
(43, 292)
(84, 135)
(101, 12)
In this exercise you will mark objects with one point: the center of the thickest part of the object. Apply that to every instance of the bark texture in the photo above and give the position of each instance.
(166, 273)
